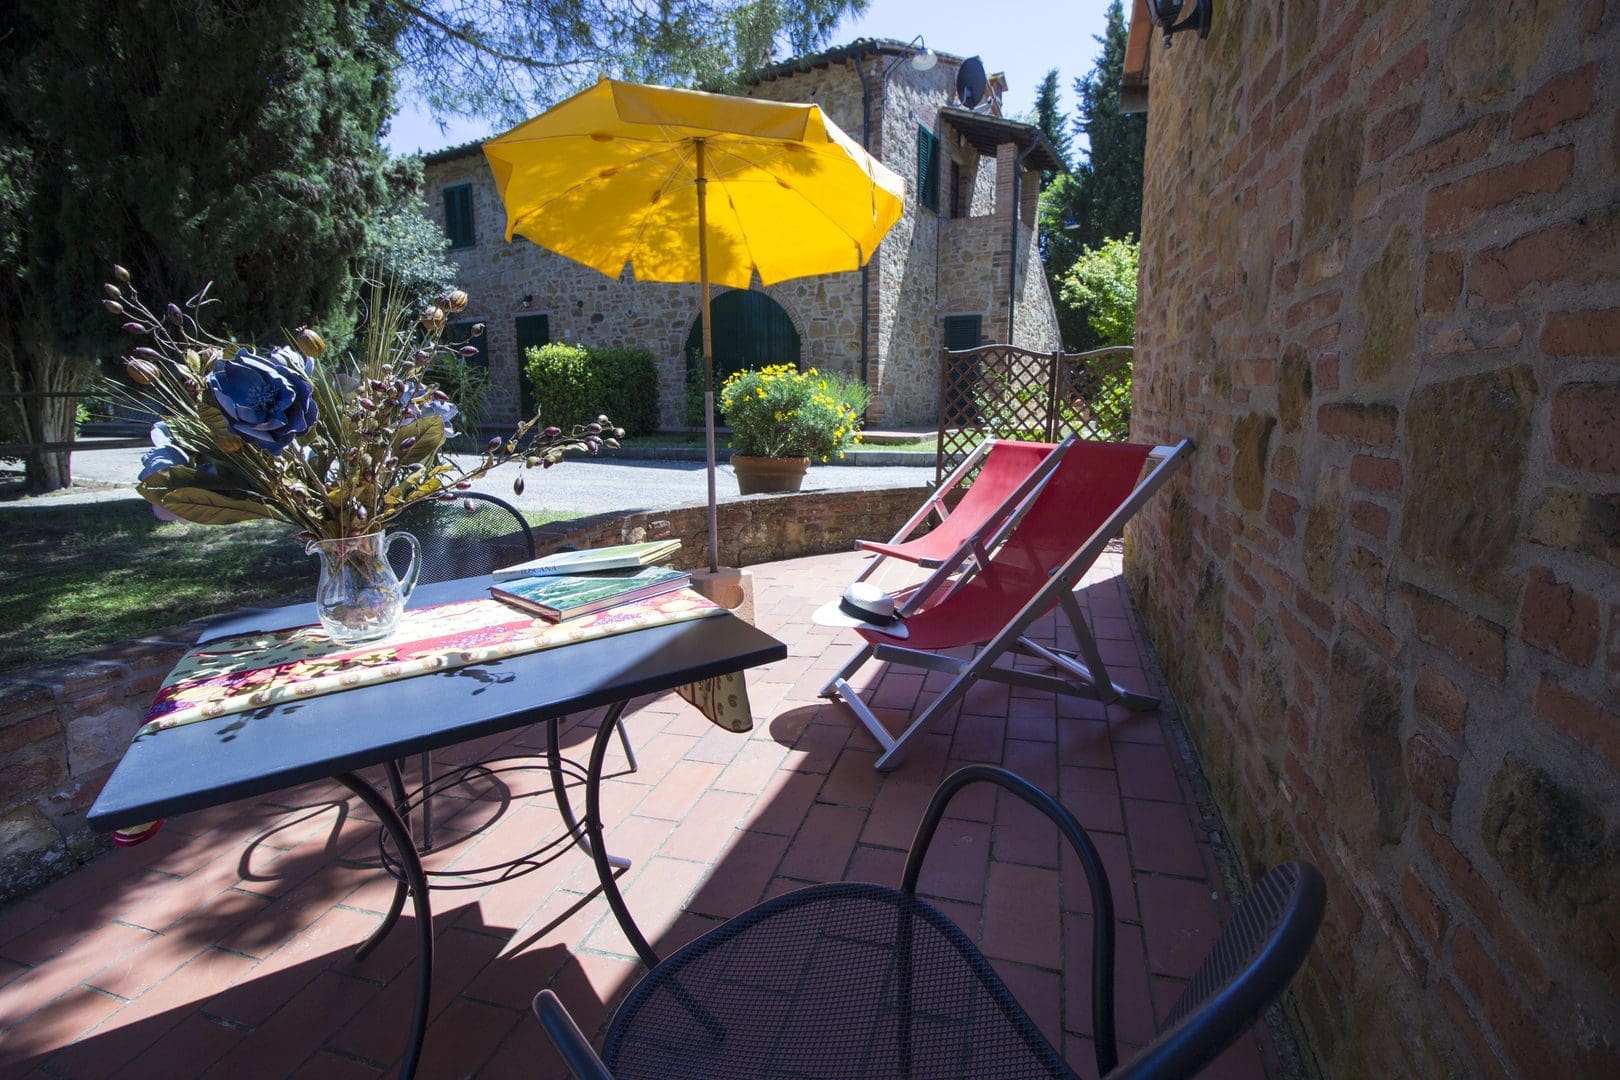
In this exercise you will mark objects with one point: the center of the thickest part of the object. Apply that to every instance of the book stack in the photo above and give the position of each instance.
(572, 584)
(618, 557)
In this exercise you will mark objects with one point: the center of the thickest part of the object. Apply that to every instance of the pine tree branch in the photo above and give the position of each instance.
(475, 43)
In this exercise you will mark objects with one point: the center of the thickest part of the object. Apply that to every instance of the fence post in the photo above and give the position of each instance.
(1052, 397)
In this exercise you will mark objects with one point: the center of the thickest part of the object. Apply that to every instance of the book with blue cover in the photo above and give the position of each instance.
(558, 597)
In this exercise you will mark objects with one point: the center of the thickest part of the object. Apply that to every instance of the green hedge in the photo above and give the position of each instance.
(629, 388)
(573, 384)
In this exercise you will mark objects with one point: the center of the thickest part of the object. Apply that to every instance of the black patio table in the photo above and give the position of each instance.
(209, 762)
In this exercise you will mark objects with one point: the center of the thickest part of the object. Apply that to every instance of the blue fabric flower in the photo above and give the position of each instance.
(287, 356)
(164, 453)
(444, 410)
(265, 402)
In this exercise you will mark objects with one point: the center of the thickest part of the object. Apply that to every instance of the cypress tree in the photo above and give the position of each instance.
(1101, 198)
(1049, 118)
(192, 143)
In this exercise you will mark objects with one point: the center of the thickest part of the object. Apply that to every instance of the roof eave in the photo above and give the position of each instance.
(986, 133)
(1133, 82)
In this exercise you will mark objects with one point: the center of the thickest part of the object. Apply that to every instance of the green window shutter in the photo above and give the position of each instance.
(532, 331)
(927, 168)
(458, 216)
(963, 331)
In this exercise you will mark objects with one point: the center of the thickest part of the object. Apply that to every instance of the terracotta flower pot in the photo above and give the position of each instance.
(761, 475)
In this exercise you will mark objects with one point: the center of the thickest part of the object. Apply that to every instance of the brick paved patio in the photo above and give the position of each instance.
(222, 947)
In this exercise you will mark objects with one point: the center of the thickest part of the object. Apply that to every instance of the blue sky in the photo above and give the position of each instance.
(1022, 38)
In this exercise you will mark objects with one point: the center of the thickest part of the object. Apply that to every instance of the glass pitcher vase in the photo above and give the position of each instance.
(359, 597)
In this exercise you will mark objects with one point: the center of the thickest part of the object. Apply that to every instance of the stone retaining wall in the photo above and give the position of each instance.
(65, 724)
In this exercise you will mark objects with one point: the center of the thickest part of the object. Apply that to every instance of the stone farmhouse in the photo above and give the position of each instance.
(960, 268)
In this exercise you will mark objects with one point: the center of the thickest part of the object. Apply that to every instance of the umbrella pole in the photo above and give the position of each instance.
(708, 357)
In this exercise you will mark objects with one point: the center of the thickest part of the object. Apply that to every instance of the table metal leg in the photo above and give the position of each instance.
(396, 784)
(427, 801)
(598, 848)
(415, 881)
(629, 751)
(560, 792)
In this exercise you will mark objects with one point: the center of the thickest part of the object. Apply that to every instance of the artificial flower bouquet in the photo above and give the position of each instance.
(337, 448)
(782, 412)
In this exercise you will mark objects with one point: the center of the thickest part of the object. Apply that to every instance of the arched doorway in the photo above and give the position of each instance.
(750, 330)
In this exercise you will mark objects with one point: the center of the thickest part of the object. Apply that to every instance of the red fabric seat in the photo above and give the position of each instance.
(993, 590)
(984, 506)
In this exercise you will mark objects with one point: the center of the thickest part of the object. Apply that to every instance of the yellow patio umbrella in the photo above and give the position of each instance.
(683, 186)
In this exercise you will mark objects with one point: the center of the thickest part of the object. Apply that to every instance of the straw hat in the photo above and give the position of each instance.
(864, 606)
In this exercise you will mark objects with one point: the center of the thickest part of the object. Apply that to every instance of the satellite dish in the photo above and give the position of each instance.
(971, 82)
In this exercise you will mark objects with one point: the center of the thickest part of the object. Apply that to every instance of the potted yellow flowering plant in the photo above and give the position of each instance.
(337, 447)
(781, 418)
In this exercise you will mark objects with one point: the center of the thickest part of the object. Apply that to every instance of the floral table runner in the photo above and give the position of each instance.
(251, 671)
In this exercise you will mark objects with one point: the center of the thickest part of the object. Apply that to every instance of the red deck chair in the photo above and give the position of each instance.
(1009, 473)
(1093, 491)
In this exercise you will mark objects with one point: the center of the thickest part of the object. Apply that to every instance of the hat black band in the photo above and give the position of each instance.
(855, 611)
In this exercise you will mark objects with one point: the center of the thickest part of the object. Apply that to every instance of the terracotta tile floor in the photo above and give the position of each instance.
(222, 947)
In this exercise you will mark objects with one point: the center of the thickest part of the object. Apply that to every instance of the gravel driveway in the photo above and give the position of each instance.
(581, 485)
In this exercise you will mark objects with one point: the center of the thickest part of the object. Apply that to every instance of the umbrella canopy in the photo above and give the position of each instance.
(607, 179)
(683, 186)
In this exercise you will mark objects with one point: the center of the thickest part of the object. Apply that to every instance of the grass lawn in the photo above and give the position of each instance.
(88, 575)
(661, 440)
(925, 445)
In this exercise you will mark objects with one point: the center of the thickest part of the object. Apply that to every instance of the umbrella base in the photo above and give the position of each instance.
(730, 587)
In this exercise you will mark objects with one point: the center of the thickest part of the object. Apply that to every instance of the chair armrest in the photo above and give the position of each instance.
(571, 1042)
(1102, 898)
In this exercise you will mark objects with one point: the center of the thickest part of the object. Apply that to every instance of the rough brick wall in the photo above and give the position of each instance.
(1381, 253)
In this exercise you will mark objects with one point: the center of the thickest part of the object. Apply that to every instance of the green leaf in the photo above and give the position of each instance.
(175, 476)
(209, 414)
(429, 434)
(210, 507)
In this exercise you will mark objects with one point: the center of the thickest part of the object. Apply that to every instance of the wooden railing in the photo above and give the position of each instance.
(13, 450)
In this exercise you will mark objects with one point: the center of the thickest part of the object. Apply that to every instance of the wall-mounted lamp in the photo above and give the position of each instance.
(923, 59)
(528, 298)
(1164, 14)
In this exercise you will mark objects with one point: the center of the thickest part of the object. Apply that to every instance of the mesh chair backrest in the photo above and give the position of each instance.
(1251, 962)
(1089, 484)
(467, 536)
(1006, 465)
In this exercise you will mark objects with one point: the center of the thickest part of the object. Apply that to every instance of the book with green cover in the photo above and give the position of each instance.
(619, 556)
(558, 597)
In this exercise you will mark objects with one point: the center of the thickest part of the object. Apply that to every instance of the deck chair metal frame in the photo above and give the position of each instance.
(978, 543)
(1079, 674)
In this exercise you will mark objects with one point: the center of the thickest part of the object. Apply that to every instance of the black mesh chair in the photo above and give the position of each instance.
(468, 535)
(854, 980)
(465, 536)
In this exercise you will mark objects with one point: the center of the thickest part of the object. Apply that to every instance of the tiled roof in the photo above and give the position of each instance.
(450, 153)
(985, 133)
(853, 51)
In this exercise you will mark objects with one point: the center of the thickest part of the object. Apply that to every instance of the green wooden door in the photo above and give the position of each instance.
(750, 331)
(532, 332)
(961, 332)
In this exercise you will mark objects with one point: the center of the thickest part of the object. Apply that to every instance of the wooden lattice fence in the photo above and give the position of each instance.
(1004, 392)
